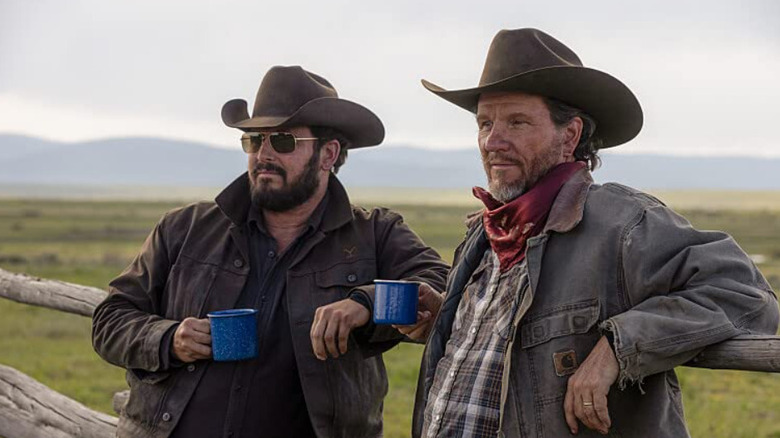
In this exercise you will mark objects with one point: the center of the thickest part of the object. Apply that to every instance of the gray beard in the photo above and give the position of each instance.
(538, 169)
(508, 192)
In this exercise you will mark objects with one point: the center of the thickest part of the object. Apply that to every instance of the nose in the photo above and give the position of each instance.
(265, 152)
(495, 140)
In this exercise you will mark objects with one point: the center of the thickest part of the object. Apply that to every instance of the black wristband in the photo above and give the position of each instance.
(360, 298)
(167, 358)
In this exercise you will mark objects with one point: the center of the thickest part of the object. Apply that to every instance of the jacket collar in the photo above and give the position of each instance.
(235, 202)
(569, 205)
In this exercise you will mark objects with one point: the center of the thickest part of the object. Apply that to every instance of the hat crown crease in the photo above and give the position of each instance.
(514, 52)
(284, 90)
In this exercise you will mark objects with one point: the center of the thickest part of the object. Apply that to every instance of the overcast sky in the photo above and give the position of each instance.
(706, 72)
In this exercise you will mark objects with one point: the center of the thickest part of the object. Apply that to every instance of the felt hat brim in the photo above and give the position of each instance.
(616, 110)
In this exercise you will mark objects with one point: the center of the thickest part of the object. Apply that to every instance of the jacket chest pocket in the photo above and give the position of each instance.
(187, 288)
(556, 342)
(335, 283)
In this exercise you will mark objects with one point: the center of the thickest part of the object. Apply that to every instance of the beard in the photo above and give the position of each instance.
(290, 195)
(530, 174)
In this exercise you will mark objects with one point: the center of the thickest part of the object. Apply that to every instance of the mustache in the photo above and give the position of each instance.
(269, 167)
(497, 157)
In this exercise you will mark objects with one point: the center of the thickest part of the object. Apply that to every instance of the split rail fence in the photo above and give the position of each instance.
(29, 409)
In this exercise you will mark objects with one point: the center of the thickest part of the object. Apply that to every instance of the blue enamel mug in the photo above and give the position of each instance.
(233, 334)
(395, 302)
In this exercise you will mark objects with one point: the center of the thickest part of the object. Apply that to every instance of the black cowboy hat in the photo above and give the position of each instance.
(533, 62)
(292, 96)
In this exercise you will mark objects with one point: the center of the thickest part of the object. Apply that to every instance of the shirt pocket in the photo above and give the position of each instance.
(474, 287)
(507, 306)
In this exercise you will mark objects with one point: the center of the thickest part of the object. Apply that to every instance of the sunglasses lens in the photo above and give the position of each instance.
(283, 142)
(251, 143)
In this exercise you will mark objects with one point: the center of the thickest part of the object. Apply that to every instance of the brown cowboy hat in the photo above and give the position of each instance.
(530, 61)
(292, 96)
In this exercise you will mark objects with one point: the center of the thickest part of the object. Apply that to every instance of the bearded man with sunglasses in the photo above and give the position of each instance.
(282, 239)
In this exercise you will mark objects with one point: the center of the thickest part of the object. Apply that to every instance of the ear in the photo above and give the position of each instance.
(329, 153)
(571, 137)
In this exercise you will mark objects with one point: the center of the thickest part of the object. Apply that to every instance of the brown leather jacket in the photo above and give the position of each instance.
(196, 261)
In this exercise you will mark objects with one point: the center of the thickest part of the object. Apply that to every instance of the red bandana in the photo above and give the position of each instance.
(508, 226)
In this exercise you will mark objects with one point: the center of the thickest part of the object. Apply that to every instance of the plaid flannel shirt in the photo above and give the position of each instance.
(466, 394)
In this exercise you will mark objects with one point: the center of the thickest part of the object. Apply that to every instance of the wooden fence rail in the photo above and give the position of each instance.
(54, 294)
(30, 409)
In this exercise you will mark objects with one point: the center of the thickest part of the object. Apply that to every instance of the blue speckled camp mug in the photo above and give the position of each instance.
(233, 334)
(395, 302)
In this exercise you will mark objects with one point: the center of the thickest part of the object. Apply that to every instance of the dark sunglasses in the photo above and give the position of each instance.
(282, 142)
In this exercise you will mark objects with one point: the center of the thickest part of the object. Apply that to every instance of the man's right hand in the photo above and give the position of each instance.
(192, 340)
(428, 305)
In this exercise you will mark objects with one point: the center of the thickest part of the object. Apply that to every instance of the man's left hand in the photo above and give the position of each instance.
(332, 325)
(586, 394)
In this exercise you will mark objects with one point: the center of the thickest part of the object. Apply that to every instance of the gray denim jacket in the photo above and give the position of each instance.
(611, 258)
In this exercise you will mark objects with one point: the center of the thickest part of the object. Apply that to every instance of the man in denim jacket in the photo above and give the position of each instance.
(570, 303)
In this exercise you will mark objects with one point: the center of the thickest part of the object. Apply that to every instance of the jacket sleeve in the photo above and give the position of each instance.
(687, 289)
(401, 255)
(127, 327)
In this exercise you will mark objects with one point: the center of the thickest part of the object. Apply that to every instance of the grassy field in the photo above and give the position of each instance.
(89, 242)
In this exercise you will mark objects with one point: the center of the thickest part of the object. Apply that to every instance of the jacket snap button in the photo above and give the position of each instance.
(352, 278)
(580, 322)
(166, 417)
(238, 263)
(190, 367)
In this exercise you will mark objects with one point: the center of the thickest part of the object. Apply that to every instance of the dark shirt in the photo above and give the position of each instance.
(259, 397)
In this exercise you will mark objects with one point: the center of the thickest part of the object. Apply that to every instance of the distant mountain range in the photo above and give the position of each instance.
(161, 162)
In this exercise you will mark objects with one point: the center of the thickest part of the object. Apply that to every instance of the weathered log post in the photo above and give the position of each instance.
(120, 400)
(29, 409)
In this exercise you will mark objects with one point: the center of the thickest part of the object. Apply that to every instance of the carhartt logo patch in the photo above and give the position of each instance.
(565, 362)
(350, 252)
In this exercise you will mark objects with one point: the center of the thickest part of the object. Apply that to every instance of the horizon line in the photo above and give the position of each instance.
(682, 154)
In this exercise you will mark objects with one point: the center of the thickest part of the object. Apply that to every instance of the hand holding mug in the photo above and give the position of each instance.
(428, 304)
(192, 340)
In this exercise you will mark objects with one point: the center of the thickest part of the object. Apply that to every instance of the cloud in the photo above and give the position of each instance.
(703, 70)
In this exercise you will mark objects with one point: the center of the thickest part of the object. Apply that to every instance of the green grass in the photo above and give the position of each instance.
(89, 242)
